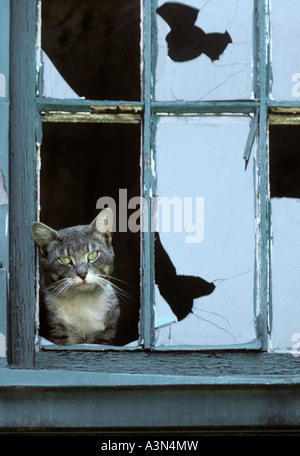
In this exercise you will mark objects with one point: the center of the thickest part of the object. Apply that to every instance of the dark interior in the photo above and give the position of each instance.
(285, 161)
(81, 163)
(95, 45)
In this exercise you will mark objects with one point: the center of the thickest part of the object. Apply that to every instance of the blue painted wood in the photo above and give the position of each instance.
(100, 404)
(82, 105)
(204, 107)
(252, 345)
(230, 363)
(283, 104)
(263, 186)
(76, 379)
(251, 137)
(22, 185)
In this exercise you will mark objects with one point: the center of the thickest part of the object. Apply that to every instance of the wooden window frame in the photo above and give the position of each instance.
(132, 380)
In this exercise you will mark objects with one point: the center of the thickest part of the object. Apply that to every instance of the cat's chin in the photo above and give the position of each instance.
(86, 286)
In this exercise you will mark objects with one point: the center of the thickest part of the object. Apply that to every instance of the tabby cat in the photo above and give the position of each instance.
(79, 300)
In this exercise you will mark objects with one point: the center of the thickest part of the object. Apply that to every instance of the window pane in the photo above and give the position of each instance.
(201, 176)
(204, 50)
(94, 46)
(285, 48)
(285, 210)
(81, 163)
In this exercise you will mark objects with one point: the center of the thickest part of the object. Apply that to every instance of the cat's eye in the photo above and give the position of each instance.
(93, 255)
(65, 260)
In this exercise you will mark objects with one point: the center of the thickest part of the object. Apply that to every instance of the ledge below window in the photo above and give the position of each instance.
(99, 402)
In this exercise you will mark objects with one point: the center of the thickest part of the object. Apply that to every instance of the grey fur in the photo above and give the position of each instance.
(80, 301)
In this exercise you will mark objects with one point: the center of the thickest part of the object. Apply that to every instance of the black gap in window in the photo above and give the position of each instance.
(285, 161)
(81, 163)
(95, 45)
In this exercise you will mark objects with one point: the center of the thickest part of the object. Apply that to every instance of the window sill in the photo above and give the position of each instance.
(10, 378)
(89, 401)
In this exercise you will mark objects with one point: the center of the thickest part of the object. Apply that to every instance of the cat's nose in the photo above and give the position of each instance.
(82, 276)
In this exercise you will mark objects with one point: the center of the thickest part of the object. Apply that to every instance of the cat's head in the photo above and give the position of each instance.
(76, 259)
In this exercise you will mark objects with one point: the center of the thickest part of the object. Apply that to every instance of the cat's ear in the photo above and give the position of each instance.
(103, 224)
(43, 234)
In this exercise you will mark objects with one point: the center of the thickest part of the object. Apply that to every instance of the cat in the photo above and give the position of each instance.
(80, 302)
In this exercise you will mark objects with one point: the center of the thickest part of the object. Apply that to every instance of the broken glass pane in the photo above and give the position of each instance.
(285, 161)
(81, 163)
(91, 49)
(285, 49)
(204, 50)
(285, 216)
(205, 244)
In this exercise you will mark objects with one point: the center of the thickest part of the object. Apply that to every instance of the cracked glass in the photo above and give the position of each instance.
(90, 49)
(285, 216)
(285, 49)
(205, 263)
(204, 50)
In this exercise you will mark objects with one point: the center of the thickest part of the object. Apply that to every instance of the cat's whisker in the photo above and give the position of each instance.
(119, 280)
(58, 288)
(80, 307)
(102, 281)
(57, 283)
(117, 289)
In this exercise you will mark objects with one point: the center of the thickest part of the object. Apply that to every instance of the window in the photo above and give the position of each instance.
(202, 153)
(173, 317)
(204, 109)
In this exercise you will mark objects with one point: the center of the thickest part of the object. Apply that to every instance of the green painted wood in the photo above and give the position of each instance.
(22, 185)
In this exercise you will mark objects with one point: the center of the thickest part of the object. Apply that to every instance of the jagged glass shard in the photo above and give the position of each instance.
(204, 50)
